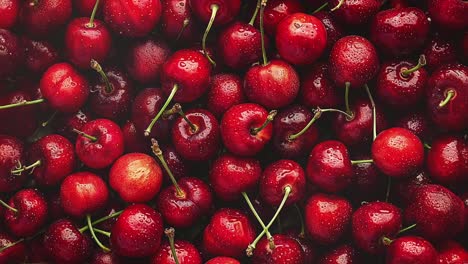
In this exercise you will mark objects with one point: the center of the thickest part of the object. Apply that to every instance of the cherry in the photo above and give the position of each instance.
(226, 90)
(36, 252)
(447, 160)
(133, 141)
(132, 19)
(405, 189)
(373, 222)
(327, 218)
(65, 123)
(111, 96)
(141, 172)
(448, 14)
(287, 250)
(137, 232)
(145, 59)
(12, 55)
(27, 213)
(317, 90)
(222, 260)
(12, 251)
(11, 157)
(39, 55)
(177, 21)
(354, 13)
(86, 7)
(228, 233)
(19, 122)
(101, 257)
(301, 39)
(344, 254)
(276, 10)
(416, 122)
(368, 182)
(64, 243)
(397, 152)
(10, 10)
(439, 51)
(447, 97)
(452, 252)
(334, 30)
(437, 212)
(185, 252)
(178, 165)
(83, 193)
(246, 129)
(42, 17)
(410, 250)
(400, 31)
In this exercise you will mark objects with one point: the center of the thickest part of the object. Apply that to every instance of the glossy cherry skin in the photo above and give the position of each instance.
(451, 252)
(300, 39)
(448, 14)
(84, 42)
(329, 166)
(83, 193)
(228, 233)
(317, 89)
(109, 144)
(398, 91)
(65, 244)
(39, 55)
(12, 53)
(417, 122)
(273, 85)
(57, 158)
(222, 260)
(400, 31)
(11, 152)
(137, 232)
(185, 211)
(101, 257)
(452, 116)
(373, 221)
(228, 9)
(287, 250)
(355, 13)
(397, 152)
(65, 123)
(437, 212)
(447, 159)
(201, 144)
(64, 88)
(404, 190)
(327, 218)
(10, 11)
(41, 18)
(174, 14)
(438, 52)
(141, 172)
(145, 59)
(276, 11)
(335, 31)
(231, 175)
(411, 250)
(31, 215)
(344, 254)
(226, 90)
(116, 104)
(13, 254)
(186, 253)
(352, 59)
(133, 140)
(130, 18)
(288, 122)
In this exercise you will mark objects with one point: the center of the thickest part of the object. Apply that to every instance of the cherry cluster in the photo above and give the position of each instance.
(234, 131)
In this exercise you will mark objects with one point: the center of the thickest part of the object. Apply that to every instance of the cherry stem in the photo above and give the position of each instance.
(214, 11)
(100, 220)
(170, 233)
(270, 117)
(302, 233)
(52, 117)
(11, 245)
(251, 247)
(262, 31)
(97, 67)
(374, 112)
(421, 63)
(102, 232)
(354, 162)
(159, 154)
(406, 229)
(449, 95)
(93, 14)
(83, 134)
(320, 8)
(161, 111)
(337, 6)
(348, 109)
(386, 241)
(254, 212)
(96, 239)
(254, 16)
(22, 103)
(389, 185)
(182, 29)
(8, 206)
(177, 109)
(31, 167)
(427, 146)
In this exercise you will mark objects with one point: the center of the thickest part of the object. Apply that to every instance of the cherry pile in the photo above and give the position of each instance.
(230, 131)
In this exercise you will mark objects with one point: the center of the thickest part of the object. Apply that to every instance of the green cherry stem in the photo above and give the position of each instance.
(254, 16)
(170, 233)
(386, 241)
(102, 232)
(259, 219)
(8, 206)
(337, 6)
(354, 162)
(406, 229)
(449, 95)
(83, 134)
(93, 15)
(11, 245)
(96, 239)
(270, 117)
(50, 119)
(22, 103)
(159, 154)
(186, 22)
(214, 11)
(31, 167)
(348, 109)
(427, 146)
(262, 31)
(97, 67)
(421, 63)
(100, 220)
(320, 8)
(177, 109)
(374, 112)
(161, 111)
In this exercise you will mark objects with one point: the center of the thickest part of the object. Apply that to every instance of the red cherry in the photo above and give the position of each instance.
(354, 13)
(132, 19)
(334, 30)
(39, 55)
(397, 152)
(226, 90)
(186, 253)
(222, 260)
(177, 21)
(344, 254)
(137, 232)
(12, 55)
(416, 122)
(451, 252)
(11, 156)
(448, 14)
(41, 18)
(410, 250)
(276, 11)
(286, 251)
(9, 10)
(438, 52)
(178, 165)
(404, 190)
(20, 122)
(317, 89)
(308, 251)
(65, 123)
(13, 252)
(133, 141)
(101, 257)
(85, 7)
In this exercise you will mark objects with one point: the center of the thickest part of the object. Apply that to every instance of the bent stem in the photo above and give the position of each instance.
(31, 167)
(182, 29)
(100, 220)
(214, 11)
(170, 233)
(96, 239)
(259, 219)
(421, 63)
(449, 95)
(83, 134)
(354, 162)
(302, 233)
(22, 103)
(427, 146)
(337, 6)
(177, 109)
(386, 241)
(97, 67)
(374, 112)
(262, 31)
(254, 16)
(161, 111)
(270, 117)
(159, 154)
(320, 8)
(8, 206)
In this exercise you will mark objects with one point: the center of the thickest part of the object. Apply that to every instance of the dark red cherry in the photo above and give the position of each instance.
(21, 121)
(317, 89)
(186, 253)
(308, 249)
(44, 17)
(416, 122)
(177, 21)
(438, 52)
(65, 123)
(334, 30)
(85, 7)
(344, 254)
(222, 260)
(410, 250)
(451, 252)
(13, 253)
(277, 10)
(11, 53)
(179, 166)
(132, 19)
(353, 13)
(10, 12)
(133, 140)
(101, 257)
(226, 90)
(404, 190)
(11, 157)
(227, 10)
(39, 55)
(448, 14)
(286, 251)
(36, 252)
(368, 182)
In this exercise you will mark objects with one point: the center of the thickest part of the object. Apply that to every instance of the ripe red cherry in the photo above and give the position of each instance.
(177, 21)
(404, 190)
(368, 182)
(448, 14)
(132, 19)
(83, 193)
(133, 141)
(65, 123)
(301, 39)
(439, 51)
(101, 257)
(9, 10)
(437, 212)
(400, 31)
(344, 254)
(397, 152)
(137, 232)
(226, 90)
(178, 165)
(355, 13)
(64, 88)
(410, 250)
(246, 129)
(286, 251)
(327, 218)
(353, 60)
(308, 249)
(100, 143)
(39, 55)
(20, 122)
(416, 122)
(12, 55)
(186, 253)
(85, 7)
(334, 30)
(11, 156)
(372, 222)
(141, 172)
(30, 215)
(276, 11)
(451, 252)
(221, 239)
(317, 89)
(222, 260)
(41, 18)
(13, 253)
